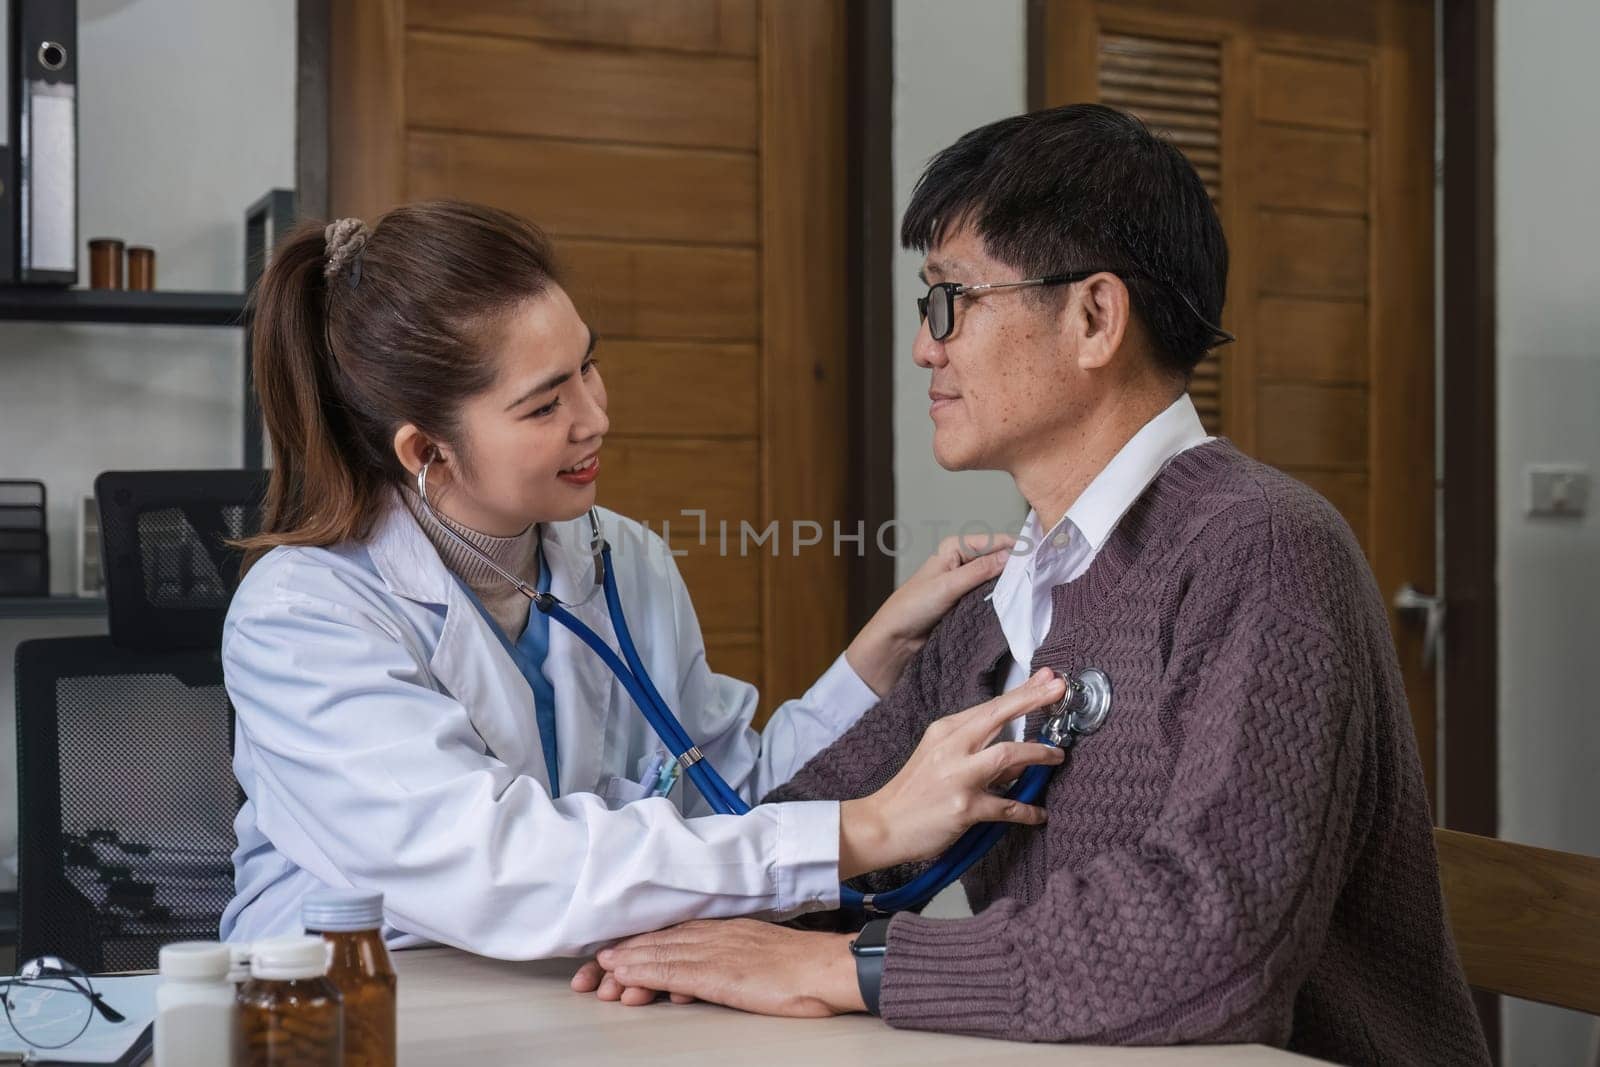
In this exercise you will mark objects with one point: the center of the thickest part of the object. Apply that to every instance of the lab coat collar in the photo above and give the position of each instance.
(410, 566)
(405, 559)
(470, 662)
(569, 555)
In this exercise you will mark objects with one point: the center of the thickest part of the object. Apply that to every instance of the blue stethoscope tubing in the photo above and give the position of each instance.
(968, 849)
(636, 680)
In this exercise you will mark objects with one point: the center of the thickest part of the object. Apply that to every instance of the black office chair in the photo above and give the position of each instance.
(169, 569)
(126, 800)
(124, 744)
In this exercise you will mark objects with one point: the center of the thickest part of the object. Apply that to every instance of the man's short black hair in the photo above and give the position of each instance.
(1079, 187)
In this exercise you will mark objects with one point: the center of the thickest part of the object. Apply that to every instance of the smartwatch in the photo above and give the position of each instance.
(869, 948)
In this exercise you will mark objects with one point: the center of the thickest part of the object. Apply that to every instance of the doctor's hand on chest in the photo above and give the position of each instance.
(899, 629)
(948, 784)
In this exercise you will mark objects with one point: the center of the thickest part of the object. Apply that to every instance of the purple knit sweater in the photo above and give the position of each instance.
(1244, 851)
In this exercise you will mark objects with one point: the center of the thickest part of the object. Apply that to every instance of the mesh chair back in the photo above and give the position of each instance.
(169, 570)
(126, 801)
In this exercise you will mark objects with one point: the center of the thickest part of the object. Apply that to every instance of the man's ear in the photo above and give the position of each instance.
(1099, 312)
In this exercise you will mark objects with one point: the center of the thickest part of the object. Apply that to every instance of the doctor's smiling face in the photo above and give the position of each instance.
(527, 448)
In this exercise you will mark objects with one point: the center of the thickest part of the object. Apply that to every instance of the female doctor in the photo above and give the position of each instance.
(406, 724)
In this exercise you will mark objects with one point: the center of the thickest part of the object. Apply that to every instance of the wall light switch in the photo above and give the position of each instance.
(1557, 490)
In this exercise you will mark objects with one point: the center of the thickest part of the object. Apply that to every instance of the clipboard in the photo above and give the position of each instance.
(124, 1044)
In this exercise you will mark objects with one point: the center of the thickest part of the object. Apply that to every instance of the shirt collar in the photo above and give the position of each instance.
(1102, 504)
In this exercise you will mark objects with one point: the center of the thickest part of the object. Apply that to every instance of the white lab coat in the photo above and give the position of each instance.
(386, 740)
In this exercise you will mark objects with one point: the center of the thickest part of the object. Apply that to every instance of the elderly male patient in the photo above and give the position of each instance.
(1243, 852)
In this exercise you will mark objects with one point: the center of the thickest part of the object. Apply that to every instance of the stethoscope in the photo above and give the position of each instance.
(1081, 711)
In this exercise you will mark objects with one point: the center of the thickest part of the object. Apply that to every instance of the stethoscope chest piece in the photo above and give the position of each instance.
(1083, 709)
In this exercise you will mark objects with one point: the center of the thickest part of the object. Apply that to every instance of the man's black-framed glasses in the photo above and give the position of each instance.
(938, 308)
(50, 1002)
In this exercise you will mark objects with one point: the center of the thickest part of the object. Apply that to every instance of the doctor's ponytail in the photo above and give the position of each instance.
(358, 332)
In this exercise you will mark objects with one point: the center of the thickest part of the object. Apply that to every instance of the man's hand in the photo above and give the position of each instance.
(741, 963)
(593, 978)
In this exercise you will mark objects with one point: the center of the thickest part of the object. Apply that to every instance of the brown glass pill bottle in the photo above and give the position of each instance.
(350, 920)
(289, 1014)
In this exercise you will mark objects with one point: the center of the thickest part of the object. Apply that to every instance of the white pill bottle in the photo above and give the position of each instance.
(194, 1006)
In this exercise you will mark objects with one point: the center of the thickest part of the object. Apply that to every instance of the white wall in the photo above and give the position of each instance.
(1548, 230)
(186, 116)
(957, 65)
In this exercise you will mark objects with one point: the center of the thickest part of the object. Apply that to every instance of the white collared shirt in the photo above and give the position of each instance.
(1021, 597)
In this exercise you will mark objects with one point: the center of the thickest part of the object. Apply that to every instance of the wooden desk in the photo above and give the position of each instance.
(458, 1010)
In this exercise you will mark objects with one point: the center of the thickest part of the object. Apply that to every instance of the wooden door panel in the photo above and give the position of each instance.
(1322, 426)
(655, 480)
(688, 158)
(502, 85)
(1311, 340)
(1318, 170)
(1311, 91)
(664, 291)
(714, 389)
(728, 27)
(1338, 269)
(630, 192)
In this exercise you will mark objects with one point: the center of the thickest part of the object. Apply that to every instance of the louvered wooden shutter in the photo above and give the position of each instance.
(1176, 88)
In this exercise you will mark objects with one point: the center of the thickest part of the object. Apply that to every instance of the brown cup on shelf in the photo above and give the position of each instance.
(105, 263)
(141, 268)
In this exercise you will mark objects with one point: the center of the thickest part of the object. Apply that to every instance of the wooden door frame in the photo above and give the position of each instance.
(1471, 666)
(873, 235)
(313, 32)
(805, 336)
(1469, 795)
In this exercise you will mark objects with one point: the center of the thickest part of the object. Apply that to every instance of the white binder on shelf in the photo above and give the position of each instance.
(41, 174)
(8, 168)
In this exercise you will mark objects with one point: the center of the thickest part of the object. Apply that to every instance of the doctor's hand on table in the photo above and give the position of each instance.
(943, 789)
(899, 629)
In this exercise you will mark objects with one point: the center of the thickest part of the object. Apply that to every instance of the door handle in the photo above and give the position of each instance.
(1409, 601)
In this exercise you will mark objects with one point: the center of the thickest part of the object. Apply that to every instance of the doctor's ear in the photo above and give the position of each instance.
(414, 448)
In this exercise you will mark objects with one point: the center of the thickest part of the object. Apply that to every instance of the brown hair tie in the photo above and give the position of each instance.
(345, 240)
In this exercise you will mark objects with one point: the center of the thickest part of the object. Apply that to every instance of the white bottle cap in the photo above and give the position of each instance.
(286, 959)
(342, 910)
(238, 961)
(194, 959)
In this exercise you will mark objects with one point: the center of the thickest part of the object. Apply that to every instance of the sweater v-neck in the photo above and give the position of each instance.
(1170, 492)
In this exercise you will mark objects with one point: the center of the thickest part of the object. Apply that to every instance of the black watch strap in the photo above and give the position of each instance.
(870, 948)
